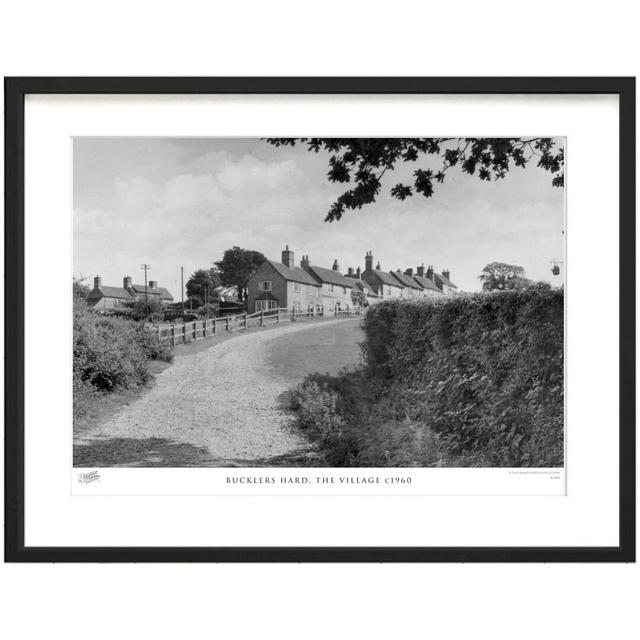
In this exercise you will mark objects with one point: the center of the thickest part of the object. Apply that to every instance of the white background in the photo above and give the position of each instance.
(328, 38)
(586, 516)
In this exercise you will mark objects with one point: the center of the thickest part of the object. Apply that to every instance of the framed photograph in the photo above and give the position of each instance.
(320, 319)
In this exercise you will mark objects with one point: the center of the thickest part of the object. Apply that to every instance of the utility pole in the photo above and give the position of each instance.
(146, 268)
(206, 300)
(182, 287)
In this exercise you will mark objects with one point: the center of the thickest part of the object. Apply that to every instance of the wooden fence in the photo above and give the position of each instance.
(199, 329)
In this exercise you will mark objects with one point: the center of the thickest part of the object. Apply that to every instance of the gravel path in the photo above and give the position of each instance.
(222, 401)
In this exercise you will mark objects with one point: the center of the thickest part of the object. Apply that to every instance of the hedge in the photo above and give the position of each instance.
(110, 352)
(487, 369)
(467, 381)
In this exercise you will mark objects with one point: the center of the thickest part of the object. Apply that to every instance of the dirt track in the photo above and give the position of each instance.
(220, 407)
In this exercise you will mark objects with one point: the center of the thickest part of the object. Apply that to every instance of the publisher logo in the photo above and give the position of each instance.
(88, 477)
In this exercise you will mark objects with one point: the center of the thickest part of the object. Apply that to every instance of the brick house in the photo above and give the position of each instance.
(360, 285)
(444, 283)
(107, 297)
(382, 283)
(282, 284)
(429, 288)
(412, 289)
(335, 289)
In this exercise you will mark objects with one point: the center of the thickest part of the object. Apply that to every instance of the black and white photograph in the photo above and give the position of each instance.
(318, 302)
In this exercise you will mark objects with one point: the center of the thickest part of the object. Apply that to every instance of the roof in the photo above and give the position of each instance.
(385, 278)
(444, 280)
(295, 274)
(361, 284)
(426, 283)
(331, 276)
(267, 295)
(405, 280)
(109, 292)
(157, 291)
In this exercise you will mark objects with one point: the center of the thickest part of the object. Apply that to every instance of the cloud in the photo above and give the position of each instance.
(187, 207)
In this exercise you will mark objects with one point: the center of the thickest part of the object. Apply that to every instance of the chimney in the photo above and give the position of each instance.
(287, 258)
(336, 266)
(350, 273)
(358, 273)
(430, 273)
(420, 271)
(368, 262)
(97, 282)
(446, 274)
(408, 272)
(126, 282)
(378, 267)
(304, 263)
(153, 284)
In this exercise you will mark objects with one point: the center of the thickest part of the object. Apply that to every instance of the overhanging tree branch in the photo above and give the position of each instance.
(364, 161)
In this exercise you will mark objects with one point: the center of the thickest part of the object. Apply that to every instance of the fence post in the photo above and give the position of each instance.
(184, 333)
(278, 316)
(245, 319)
(173, 335)
(227, 323)
(261, 317)
(293, 312)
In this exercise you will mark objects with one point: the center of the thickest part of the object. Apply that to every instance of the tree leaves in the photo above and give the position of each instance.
(499, 276)
(424, 182)
(237, 266)
(401, 191)
(364, 161)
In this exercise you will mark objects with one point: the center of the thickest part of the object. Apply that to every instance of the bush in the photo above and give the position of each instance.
(153, 347)
(140, 309)
(111, 352)
(465, 381)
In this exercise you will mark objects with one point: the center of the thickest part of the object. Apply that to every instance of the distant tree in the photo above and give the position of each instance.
(140, 309)
(80, 290)
(237, 266)
(194, 302)
(364, 161)
(202, 284)
(499, 276)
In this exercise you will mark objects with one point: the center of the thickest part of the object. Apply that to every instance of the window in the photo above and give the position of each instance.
(331, 287)
(265, 285)
(296, 287)
(265, 305)
(388, 291)
(344, 290)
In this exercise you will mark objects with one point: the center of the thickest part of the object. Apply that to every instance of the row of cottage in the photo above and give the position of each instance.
(107, 297)
(285, 285)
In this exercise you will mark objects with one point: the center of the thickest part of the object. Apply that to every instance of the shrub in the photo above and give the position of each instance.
(153, 347)
(488, 369)
(140, 309)
(84, 395)
(111, 352)
(465, 381)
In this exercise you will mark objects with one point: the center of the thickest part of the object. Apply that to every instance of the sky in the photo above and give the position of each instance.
(172, 202)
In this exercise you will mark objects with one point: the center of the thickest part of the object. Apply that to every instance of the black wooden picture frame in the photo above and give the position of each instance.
(15, 91)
